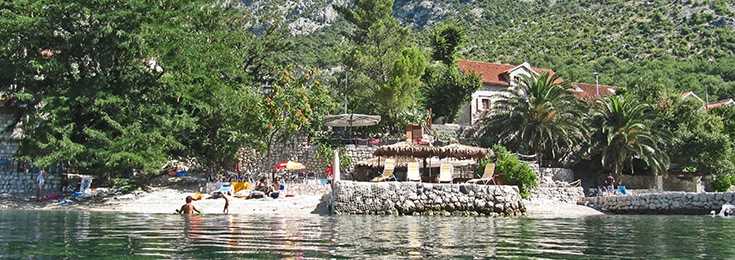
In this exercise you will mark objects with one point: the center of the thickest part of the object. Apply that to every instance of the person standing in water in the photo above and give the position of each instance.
(188, 208)
(40, 181)
(226, 210)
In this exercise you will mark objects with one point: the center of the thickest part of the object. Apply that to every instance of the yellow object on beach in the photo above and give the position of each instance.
(197, 196)
(240, 185)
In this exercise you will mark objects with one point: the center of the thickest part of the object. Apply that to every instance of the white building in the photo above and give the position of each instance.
(497, 79)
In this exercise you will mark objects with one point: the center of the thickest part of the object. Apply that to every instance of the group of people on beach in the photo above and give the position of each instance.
(261, 190)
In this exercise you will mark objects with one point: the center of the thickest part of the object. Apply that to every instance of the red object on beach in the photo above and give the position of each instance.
(280, 166)
(329, 170)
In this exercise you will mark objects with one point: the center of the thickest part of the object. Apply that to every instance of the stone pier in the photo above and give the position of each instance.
(662, 203)
(412, 198)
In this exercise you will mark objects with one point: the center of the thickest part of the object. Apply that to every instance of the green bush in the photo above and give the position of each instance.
(722, 183)
(514, 171)
(124, 184)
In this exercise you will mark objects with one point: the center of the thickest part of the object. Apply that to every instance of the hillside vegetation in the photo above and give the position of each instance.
(688, 45)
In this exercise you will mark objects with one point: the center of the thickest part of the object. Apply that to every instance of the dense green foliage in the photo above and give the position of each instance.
(699, 140)
(723, 183)
(383, 67)
(445, 87)
(540, 116)
(623, 133)
(514, 171)
(104, 89)
(112, 86)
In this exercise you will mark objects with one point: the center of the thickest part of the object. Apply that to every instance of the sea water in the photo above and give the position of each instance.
(74, 234)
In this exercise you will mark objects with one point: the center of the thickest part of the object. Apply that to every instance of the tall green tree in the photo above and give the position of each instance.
(446, 89)
(104, 89)
(699, 141)
(87, 93)
(446, 40)
(296, 105)
(382, 67)
(539, 116)
(623, 133)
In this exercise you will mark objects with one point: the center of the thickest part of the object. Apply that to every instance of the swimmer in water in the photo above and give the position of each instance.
(188, 208)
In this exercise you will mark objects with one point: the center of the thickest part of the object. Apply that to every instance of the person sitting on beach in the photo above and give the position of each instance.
(262, 186)
(278, 186)
(188, 208)
(609, 184)
(261, 189)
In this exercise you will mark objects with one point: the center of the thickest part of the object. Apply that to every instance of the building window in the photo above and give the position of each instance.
(485, 104)
(517, 80)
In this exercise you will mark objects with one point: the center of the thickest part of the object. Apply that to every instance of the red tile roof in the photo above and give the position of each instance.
(719, 104)
(492, 73)
(587, 91)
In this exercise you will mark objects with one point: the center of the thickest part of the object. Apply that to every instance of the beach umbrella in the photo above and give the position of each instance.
(351, 120)
(289, 166)
(461, 151)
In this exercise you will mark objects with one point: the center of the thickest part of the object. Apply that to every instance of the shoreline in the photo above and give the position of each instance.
(165, 200)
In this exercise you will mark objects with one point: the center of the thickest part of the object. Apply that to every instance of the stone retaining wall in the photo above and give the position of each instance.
(662, 203)
(412, 198)
(559, 193)
(14, 180)
(298, 148)
(25, 183)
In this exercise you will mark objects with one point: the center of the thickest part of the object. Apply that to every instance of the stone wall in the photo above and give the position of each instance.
(298, 149)
(358, 153)
(662, 203)
(568, 194)
(13, 177)
(14, 182)
(412, 198)
(552, 174)
(662, 182)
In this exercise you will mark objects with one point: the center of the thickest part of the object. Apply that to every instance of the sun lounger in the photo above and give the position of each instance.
(412, 174)
(388, 167)
(488, 176)
(445, 172)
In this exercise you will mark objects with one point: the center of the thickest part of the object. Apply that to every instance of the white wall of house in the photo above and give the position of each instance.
(523, 70)
(484, 99)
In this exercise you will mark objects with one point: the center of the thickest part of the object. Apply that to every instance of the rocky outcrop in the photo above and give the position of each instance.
(411, 198)
(662, 203)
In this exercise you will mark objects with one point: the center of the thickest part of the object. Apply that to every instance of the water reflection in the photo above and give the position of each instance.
(84, 234)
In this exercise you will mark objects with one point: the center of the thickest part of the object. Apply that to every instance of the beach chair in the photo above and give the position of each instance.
(388, 167)
(445, 172)
(412, 173)
(488, 176)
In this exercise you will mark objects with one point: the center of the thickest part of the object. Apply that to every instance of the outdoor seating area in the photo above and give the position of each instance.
(405, 161)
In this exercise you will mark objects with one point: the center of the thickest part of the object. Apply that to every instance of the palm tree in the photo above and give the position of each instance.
(539, 116)
(623, 133)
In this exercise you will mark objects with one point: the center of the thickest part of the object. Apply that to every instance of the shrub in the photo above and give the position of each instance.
(722, 183)
(514, 171)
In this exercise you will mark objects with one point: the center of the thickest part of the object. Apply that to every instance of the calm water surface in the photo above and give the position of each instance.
(73, 235)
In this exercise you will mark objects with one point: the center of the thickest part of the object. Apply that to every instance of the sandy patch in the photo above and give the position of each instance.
(540, 208)
(166, 200)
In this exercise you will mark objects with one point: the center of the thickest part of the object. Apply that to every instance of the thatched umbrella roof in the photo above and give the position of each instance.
(404, 149)
(459, 151)
(351, 120)
(377, 162)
